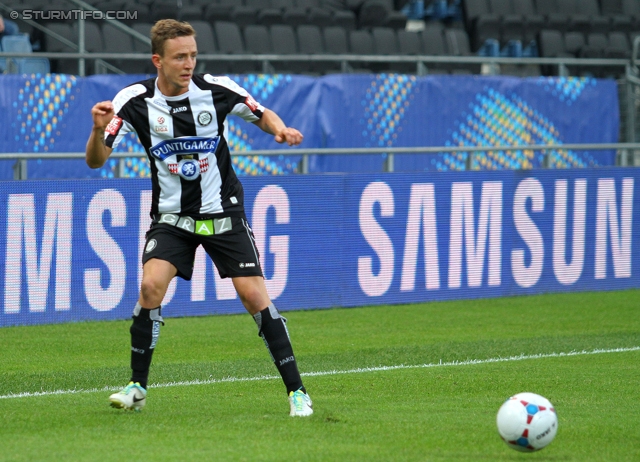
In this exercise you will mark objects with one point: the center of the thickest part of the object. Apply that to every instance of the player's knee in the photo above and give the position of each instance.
(253, 299)
(152, 291)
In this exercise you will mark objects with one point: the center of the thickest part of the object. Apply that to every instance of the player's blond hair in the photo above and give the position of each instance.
(167, 29)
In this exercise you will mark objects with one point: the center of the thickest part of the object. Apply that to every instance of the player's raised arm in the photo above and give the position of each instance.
(96, 151)
(273, 124)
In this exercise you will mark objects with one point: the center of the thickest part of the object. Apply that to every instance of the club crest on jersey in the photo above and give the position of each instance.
(189, 169)
(187, 172)
(205, 118)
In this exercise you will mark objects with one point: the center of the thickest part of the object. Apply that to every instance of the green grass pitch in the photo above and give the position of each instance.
(407, 383)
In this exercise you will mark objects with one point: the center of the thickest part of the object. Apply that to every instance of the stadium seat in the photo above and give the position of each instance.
(631, 9)
(269, 16)
(344, 18)
(458, 44)
(118, 41)
(220, 11)
(533, 22)
(164, 9)
(385, 43)
(480, 22)
(16, 44)
(433, 44)
(595, 46)
(244, 15)
(551, 44)
(361, 43)
(618, 46)
(574, 42)
(510, 22)
(143, 28)
(283, 38)
(228, 37)
(205, 37)
(554, 18)
(93, 40)
(280, 4)
(229, 40)
(21, 44)
(372, 13)
(294, 16)
(191, 13)
(33, 66)
(310, 42)
(64, 30)
(597, 22)
(409, 43)
(335, 40)
(309, 39)
(619, 21)
(257, 40)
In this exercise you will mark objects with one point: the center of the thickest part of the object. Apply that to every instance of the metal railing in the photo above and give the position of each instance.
(345, 61)
(626, 154)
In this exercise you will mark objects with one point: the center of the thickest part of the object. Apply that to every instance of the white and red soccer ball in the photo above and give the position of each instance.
(527, 422)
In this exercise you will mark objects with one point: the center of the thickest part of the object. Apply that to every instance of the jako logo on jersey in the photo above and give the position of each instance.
(178, 109)
(247, 265)
(184, 145)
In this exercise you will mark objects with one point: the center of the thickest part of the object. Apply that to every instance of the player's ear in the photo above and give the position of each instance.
(155, 59)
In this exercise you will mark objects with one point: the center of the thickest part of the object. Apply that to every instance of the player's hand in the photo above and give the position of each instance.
(289, 135)
(102, 113)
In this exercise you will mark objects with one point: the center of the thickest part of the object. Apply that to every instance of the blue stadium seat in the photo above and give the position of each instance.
(33, 66)
(21, 44)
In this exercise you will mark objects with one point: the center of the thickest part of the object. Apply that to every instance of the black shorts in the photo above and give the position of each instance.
(234, 252)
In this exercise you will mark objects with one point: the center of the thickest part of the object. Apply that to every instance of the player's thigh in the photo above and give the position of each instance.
(158, 272)
(172, 245)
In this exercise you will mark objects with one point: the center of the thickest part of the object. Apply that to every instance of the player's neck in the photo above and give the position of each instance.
(169, 90)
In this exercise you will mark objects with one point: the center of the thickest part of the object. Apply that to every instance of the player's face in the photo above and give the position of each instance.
(176, 66)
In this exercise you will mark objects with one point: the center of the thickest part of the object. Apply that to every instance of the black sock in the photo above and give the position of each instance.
(145, 331)
(272, 329)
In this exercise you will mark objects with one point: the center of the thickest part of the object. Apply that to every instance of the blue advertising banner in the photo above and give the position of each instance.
(52, 114)
(71, 250)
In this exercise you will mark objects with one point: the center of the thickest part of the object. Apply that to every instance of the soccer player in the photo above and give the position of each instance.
(196, 197)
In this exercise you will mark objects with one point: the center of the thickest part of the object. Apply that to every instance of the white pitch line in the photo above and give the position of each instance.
(359, 370)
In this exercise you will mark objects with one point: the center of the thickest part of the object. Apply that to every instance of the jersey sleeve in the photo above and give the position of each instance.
(120, 126)
(241, 103)
(116, 130)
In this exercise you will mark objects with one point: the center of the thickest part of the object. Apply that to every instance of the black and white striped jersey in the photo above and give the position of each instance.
(183, 136)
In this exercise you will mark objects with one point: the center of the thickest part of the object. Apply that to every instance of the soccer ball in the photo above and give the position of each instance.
(527, 422)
